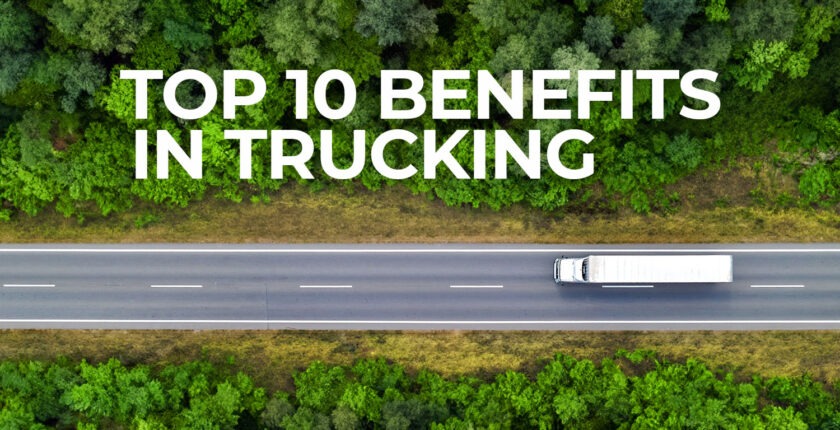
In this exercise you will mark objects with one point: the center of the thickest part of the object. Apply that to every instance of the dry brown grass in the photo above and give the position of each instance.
(394, 215)
(272, 356)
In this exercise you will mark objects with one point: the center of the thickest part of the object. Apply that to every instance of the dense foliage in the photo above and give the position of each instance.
(67, 123)
(632, 391)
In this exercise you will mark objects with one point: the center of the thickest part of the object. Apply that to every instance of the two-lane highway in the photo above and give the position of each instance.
(402, 287)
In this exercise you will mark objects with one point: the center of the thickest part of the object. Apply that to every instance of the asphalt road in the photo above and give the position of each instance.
(401, 287)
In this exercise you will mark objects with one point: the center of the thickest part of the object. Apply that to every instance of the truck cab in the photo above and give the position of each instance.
(570, 270)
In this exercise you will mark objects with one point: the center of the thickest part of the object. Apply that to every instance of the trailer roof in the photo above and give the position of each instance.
(660, 268)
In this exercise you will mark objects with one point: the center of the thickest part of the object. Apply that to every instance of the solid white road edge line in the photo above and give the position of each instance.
(476, 286)
(138, 321)
(176, 286)
(626, 286)
(326, 286)
(28, 285)
(777, 286)
(408, 251)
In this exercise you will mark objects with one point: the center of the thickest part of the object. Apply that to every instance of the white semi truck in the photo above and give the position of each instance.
(653, 269)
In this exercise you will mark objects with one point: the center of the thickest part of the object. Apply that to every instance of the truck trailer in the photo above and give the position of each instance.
(634, 269)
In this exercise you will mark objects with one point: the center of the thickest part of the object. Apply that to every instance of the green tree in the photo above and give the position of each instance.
(319, 387)
(625, 14)
(552, 28)
(17, 34)
(109, 390)
(362, 400)
(379, 375)
(82, 76)
(716, 11)
(684, 152)
(17, 30)
(152, 53)
(528, 32)
(763, 61)
(396, 21)
(411, 414)
(105, 27)
(343, 418)
(30, 393)
(517, 54)
(15, 416)
(13, 71)
(505, 18)
(598, 32)
(295, 30)
(306, 419)
(509, 399)
(29, 167)
(238, 19)
(276, 410)
(641, 49)
(771, 20)
(574, 59)
(220, 410)
(669, 15)
(709, 48)
(183, 25)
(570, 408)
(776, 418)
(101, 173)
(187, 36)
(808, 398)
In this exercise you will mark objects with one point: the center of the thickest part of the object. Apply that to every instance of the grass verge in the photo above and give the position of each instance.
(393, 215)
(272, 356)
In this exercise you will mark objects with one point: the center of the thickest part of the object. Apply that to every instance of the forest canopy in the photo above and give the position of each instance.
(67, 120)
(632, 390)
